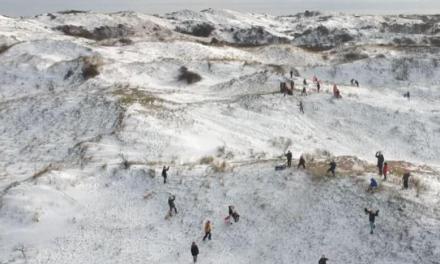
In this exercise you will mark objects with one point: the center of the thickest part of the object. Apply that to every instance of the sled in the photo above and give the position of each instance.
(280, 167)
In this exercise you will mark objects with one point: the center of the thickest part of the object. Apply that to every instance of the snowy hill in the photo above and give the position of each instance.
(93, 105)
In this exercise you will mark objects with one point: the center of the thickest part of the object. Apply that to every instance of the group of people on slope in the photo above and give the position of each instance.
(302, 163)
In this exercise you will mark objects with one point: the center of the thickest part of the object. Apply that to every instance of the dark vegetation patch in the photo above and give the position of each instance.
(99, 33)
(4, 48)
(354, 56)
(198, 30)
(256, 36)
(322, 38)
(188, 76)
(404, 41)
(72, 12)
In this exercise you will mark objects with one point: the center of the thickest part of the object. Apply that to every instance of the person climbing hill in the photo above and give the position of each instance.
(208, 229)
(171, 204)
(372, 217)
(302, 162)
(194, 251)
(288, 155)
(332, 168)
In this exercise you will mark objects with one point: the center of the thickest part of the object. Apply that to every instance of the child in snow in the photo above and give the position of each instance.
(373, 185)
(372, 217)
(171, 204)
(302, 162)
(301, 107)
(385, 171)
(332, 168)
(208, 229)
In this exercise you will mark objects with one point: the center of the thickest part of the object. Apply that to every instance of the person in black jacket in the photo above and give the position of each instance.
(380, 160)
(405, 178)
(289, 158)
(332, 168)
(171, 203)
(302, 162)
(372, 217)
(164, 173)
(323, 260)
(194, 251)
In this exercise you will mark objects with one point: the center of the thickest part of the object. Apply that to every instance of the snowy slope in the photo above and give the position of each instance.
(91, 108)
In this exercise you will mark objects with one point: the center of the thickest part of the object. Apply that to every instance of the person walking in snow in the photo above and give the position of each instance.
(318, 86)
(356, 83)
(291, 74)
(372, 217)
(289, 158)
(301, 107)
(292, 85)
(164, 173)
(405, 178)
(305, 82)
(380, 160)
(302, 162)
(304, 91)
(385, 171)
(208, 229)
(171, 204)
(323, 260)
(332, 168)
(232, 214)
(194, 251)
(336, 92)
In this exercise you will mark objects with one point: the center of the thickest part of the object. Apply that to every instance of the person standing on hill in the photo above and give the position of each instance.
(208, 229)
(289, 158)
(302, 162)
(301, 107)
(332, 168)
(194, 251)
(372, 217)
(323, 260)
(385, 171)
(405, 178)
(171, 204)
(380, 160)
(164, 173)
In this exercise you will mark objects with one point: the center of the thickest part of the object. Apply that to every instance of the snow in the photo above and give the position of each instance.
(78, 154)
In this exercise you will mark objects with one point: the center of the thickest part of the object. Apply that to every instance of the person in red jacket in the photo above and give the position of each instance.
(385, 171)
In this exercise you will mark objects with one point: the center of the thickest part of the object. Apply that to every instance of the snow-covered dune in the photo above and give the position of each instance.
(93, 105)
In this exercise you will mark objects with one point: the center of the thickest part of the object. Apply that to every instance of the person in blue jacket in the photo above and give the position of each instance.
(373, 185)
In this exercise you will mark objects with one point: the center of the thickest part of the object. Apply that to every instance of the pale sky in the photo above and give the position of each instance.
(276, 7)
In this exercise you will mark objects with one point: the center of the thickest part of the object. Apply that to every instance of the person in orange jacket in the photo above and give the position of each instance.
(385, 171)
(208, 229)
